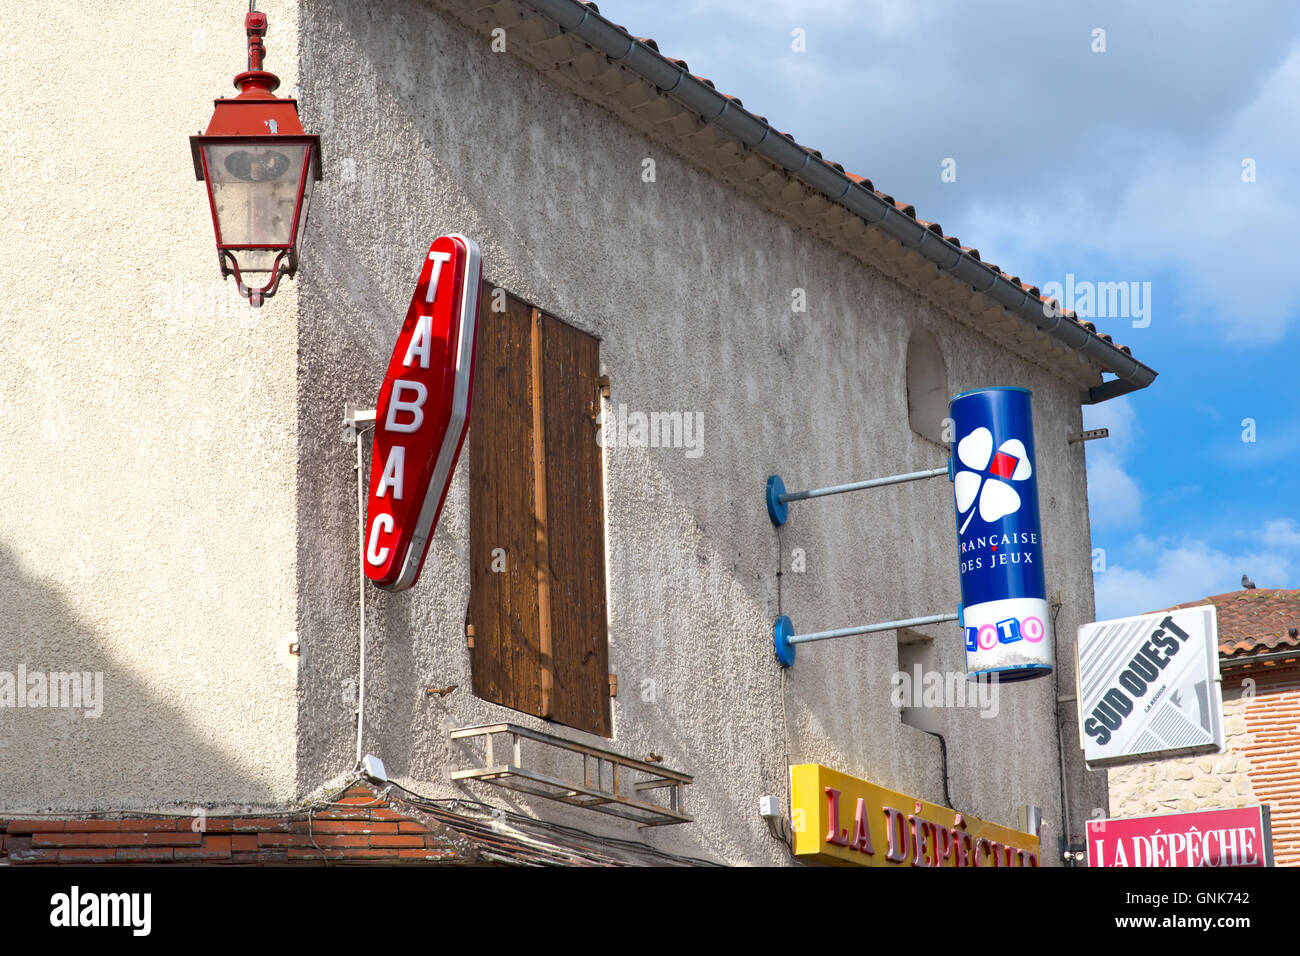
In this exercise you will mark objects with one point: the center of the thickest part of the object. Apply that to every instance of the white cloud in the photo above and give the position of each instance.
(1281, 533)
(1114, 498)
(1120, 417)
(1185, 211)
(1175, 571)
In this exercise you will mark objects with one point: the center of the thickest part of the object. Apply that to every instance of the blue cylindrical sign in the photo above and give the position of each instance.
(999, 542)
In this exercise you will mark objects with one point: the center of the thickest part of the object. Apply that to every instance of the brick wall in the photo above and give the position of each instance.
(1273, 749)
(360, 827)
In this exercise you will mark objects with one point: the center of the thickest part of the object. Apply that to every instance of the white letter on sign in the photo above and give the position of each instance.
(437, 258)
(416, 408)
(393, 469)
(374, 555)
(421, 339)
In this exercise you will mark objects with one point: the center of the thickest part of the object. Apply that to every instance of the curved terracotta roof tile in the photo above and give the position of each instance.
(1255, 621)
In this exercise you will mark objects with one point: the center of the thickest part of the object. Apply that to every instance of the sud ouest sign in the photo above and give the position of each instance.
(1000, 545)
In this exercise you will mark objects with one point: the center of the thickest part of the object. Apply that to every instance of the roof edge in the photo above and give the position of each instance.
(755, 133)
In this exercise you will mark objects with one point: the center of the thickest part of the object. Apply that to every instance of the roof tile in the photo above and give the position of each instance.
(1255, 621)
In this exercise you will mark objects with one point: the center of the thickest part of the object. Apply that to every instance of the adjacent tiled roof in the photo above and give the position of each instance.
(905, 208)
(1255, 621)
(361, 825)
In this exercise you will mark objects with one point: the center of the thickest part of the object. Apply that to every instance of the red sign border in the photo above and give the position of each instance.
(412, 561)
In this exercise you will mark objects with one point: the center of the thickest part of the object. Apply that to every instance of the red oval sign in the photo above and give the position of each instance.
(423, 413)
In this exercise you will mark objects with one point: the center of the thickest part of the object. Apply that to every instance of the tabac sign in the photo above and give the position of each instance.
(841, 820)
(422, 413)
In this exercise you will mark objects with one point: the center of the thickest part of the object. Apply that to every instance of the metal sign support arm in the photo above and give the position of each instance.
(778, 499)
(786, 640)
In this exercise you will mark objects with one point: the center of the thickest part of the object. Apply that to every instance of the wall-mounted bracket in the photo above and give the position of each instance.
(778, 499)
(786, 640)
(1088, 435)
(354, 419)
(574, 773)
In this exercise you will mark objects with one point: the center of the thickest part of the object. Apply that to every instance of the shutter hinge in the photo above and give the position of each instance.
(613, 685)
(469, 635)
(603, 382)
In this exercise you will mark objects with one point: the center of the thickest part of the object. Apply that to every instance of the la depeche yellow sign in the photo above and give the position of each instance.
(843, 820)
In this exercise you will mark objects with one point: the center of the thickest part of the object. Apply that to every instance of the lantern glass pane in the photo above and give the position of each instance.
(255, 191)
(306, 197)
(253, 260)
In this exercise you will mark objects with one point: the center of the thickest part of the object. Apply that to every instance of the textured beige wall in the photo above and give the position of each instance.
(182, 507)
(688, 284)
(1209, 782)
(147, 508)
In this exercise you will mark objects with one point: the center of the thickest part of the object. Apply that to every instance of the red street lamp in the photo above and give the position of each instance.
(260, 166)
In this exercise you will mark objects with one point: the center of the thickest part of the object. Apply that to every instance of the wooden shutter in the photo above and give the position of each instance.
(503, 604)
(536, 491)
(575, 512)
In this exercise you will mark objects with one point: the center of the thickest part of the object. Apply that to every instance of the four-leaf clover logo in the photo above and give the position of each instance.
(988, 477)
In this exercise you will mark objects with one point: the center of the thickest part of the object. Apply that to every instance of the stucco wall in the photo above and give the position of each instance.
(689, 287)
(147, 507)
(179, 506)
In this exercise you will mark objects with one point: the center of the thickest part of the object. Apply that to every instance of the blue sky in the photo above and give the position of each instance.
(1126, 164)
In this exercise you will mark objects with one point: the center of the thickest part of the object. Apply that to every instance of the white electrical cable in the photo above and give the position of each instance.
(361, 591)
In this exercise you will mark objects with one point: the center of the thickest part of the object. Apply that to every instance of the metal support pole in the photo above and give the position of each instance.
(786, 640)
(778, 499)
